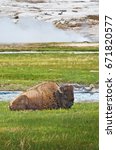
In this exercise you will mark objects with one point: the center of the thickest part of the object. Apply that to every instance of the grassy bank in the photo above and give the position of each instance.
(20, 71)
(50, 47)
(73, 129)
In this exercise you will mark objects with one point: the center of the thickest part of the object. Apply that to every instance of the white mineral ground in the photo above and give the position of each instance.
(79, 16)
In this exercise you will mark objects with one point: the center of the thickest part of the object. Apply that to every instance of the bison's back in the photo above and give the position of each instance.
(43, 95)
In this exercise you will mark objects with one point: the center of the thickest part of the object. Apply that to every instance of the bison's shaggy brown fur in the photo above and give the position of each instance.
(47, 95)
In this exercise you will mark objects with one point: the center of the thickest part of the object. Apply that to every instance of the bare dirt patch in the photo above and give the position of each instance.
(93, 17)
(76, 24)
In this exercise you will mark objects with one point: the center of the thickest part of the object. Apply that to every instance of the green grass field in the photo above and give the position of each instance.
(20, 71)
(73, 129)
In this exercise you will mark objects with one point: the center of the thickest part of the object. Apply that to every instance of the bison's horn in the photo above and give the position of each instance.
(59, 90)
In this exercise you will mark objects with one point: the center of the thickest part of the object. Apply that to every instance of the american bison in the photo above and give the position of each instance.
(47, 95)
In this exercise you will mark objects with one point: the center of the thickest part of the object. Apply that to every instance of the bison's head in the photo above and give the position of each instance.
(66, 96)
(20, 103)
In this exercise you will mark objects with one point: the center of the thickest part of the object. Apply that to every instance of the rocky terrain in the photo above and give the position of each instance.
(80, 16)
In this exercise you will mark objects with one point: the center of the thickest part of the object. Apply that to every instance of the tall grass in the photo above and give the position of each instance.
(18, 71)
(72, 129)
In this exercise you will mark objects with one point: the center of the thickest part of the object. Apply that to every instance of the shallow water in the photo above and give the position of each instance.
(79, 96)
(9, 95)
(86, 97)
